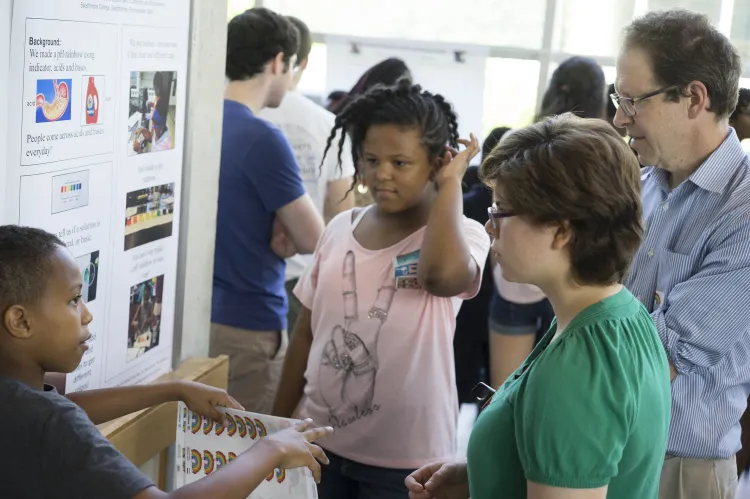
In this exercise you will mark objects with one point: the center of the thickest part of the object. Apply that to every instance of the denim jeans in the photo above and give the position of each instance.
(345, 479)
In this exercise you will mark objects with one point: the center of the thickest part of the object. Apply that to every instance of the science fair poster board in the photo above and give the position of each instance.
(6, 11)
(95, 129)
(457, 73)
(203, 446)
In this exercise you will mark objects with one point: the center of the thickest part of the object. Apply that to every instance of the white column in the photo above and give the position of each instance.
(200, 187)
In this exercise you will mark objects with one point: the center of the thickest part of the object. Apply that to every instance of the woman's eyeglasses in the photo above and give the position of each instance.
(496, 214)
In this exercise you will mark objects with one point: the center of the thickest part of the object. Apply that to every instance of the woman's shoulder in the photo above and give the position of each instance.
(619, 342)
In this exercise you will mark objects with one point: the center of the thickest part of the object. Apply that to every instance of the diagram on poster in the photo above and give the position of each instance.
(203, 446)
(70, 191)
(64, 90)
(52, 100)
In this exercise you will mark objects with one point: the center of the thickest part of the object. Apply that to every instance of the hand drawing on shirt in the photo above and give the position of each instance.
(350, 358)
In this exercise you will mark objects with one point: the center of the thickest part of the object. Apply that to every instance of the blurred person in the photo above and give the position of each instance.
(386, 72)
(520, 314)
(261, 195)
(586, 416)
(306, 126)
(740, 118)
(334, 96)
(470, 344)
(577, 86)
(677, 85)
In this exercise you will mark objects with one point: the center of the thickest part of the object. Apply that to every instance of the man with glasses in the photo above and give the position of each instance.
(677, 84)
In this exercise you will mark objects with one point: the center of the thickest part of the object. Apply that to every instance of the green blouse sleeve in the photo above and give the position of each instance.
(574, 414)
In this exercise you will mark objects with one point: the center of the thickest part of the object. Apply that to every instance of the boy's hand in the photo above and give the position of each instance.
(295, 448)
(204, 400)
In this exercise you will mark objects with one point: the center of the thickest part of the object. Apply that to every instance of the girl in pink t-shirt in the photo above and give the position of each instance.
(372, 350)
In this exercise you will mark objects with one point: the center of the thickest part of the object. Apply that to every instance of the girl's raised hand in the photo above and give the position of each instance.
(455, 163)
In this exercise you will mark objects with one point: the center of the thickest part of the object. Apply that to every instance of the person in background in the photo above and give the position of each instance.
(334, 96)
(520, 314)
(677, 85)
(372, 350)
(306, 126)
(587, 414)
(51, 446)
(577, 86)
(740, 118)
(470, 344)
(261, 195)
(386, 72)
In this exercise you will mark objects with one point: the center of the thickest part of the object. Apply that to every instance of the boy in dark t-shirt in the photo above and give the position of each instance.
(50, 444)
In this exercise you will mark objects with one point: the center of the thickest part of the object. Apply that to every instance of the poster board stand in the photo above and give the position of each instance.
(143, 435)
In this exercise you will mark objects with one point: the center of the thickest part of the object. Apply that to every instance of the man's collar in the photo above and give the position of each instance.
(714, 174)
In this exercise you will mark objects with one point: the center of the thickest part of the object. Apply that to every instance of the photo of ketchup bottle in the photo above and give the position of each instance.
(92, 103)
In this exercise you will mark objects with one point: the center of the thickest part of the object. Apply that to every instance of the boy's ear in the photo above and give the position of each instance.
(17, 323)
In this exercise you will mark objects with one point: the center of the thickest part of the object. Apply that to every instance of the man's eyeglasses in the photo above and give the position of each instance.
(627, 104)
(495, 214)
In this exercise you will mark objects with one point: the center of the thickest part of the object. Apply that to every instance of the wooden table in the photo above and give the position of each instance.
(143, 435)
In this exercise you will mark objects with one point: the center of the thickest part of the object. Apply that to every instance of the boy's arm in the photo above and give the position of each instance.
(290, 448)
(235, 481)
(107, 404)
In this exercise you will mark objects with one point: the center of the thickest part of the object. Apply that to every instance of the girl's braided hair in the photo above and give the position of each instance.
(404, 105)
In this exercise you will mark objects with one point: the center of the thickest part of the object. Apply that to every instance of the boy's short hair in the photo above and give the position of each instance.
(577, 170)
(24, 264)
(254, 38)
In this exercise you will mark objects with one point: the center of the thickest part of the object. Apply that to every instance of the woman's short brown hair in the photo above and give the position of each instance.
(580, 171)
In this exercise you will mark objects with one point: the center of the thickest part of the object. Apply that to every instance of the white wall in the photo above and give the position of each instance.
(200, 181)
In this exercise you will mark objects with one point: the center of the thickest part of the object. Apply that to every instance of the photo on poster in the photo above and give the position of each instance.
(152, 110)
(89, 265)
(149, 214)
(91, 88)
(53, 100)
(145, 317)
(70, 191)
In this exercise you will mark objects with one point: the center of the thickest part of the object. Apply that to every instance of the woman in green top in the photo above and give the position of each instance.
(586, 416)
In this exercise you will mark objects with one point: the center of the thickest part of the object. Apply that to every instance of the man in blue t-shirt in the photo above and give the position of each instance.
(261, 195)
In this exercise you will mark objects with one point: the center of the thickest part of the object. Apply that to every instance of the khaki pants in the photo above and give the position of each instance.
(255, 362)
(698, 478)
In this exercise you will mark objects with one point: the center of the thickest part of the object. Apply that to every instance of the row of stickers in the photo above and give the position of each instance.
(204, 446)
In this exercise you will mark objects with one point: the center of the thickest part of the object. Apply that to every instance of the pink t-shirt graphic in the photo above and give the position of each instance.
(380, 368)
